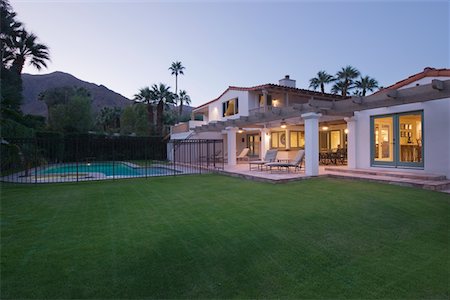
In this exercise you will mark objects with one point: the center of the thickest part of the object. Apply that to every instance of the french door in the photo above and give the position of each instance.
(397, 140)
(254, 144)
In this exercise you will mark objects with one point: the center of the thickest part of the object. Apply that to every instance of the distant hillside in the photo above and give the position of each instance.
(33, 85)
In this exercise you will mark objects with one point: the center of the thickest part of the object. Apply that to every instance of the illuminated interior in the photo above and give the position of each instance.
(383, 137)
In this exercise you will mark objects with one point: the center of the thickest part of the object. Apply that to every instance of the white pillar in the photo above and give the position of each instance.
(231, 146)
(351, 142)
(287, 132)
(311, 143)
(265, 100)
(265, 141)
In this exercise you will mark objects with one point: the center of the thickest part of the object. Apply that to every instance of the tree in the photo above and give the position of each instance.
(17, 47)
(346, 76)
(162, 96)
(9, 29)
(365, 84)
(145, 96)
(26, 48)
(108, 119)
(183, 98)
(69, 109)
(177, 69)
(322, 78)
(134, 120)
(338, 88)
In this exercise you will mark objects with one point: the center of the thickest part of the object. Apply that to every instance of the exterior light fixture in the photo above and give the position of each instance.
(283, 124)
(324, 128)
(346, 130)
(241, 130)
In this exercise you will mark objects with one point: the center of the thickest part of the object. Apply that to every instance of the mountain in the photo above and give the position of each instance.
(33, 85)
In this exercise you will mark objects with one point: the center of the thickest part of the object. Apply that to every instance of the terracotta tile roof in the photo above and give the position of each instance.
(427, 72)
(274, 86)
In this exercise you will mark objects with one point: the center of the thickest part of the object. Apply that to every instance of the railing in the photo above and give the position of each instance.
(73, 159)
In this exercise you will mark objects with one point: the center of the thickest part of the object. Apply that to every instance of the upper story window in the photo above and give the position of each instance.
(230, 107)
(261, 100)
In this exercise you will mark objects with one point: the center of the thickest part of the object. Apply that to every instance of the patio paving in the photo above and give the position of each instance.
(412, 179)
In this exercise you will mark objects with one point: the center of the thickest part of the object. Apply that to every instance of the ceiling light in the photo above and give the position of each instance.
(283, 124)
(324, 128)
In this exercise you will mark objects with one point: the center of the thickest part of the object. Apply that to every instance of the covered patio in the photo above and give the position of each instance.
(310, 117)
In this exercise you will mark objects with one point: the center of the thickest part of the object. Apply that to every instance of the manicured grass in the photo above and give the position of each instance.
(218, 237)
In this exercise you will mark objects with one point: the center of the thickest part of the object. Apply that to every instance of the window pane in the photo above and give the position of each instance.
(383, 129)
(335, 139)
(294, 139)
(274, 139)
(410, 127)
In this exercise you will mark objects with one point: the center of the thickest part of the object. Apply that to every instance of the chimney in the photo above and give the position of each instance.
(286, 81)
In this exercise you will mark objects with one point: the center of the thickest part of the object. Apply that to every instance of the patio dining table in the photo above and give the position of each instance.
(333, 157)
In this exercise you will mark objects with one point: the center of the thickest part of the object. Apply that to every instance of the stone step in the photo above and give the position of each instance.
(408, 175)
(435, 185)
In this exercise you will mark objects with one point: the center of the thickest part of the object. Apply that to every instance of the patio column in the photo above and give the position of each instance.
(287, 132)
(311, 143)
(265, 141)
(351, 142)
(231, 145)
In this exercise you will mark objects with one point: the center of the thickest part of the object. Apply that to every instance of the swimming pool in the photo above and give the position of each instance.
(108, 169)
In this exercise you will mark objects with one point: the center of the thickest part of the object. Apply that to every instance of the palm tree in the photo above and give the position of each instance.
(338, 88)
(365, 84)
(145, 95)
(183, 99)
(177, 69)
(322, 78)
(162, 96)
(346, 76)
(26, 47)
(9, 30)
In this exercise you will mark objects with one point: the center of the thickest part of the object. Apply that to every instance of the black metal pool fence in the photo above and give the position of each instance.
(73, 159)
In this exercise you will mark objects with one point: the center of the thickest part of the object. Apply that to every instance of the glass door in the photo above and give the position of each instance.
(397, 140)
(383, 140)
(410, 145)
(253, 143)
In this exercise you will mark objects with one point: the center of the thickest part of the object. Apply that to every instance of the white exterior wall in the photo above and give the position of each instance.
(436, 127)
(425, 80)
(215, 108)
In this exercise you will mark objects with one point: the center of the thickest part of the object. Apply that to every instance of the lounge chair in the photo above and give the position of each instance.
(271, 156)
(243, 155)
(296, 163)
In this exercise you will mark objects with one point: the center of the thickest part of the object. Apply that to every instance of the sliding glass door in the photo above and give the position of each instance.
(397, 140)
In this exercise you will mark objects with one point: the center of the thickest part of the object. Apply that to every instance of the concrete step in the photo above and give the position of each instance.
(408, 175)
(435, 185)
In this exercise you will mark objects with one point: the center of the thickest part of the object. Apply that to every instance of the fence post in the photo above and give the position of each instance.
(35, 160)
(76, 153)
(113, 159)
(199, 156)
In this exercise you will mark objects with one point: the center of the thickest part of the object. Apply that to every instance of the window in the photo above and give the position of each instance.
(278, 139)
(297, 139)
(230, 107)
(261, 100)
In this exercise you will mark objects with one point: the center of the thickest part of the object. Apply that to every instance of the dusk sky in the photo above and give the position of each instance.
(126, 45)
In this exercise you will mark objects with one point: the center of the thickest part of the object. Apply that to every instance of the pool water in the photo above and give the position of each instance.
(107, 168)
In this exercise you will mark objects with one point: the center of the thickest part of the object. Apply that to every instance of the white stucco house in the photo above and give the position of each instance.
(405, 126)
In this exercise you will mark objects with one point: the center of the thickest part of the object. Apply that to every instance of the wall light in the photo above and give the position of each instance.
(241, 130)
(283, 124)
(346, 130)
(324, 128)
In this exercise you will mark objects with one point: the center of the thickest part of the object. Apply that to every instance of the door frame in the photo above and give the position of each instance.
(396, 163)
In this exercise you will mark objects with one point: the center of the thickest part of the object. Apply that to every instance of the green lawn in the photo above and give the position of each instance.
(219, 237)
